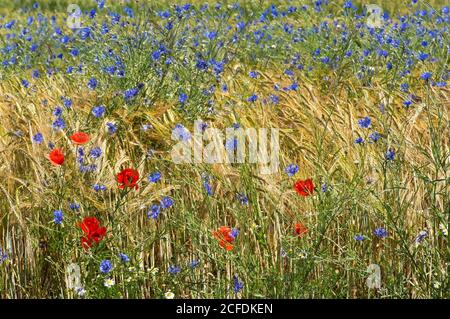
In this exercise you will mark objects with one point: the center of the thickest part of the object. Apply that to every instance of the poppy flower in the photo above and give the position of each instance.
(80, 138)
(304, 187)
(226, 236)
(56, 157)
(128, 178)
(93, 232)
(300, 229)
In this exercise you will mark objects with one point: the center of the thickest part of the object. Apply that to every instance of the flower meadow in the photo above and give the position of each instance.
(95, 94)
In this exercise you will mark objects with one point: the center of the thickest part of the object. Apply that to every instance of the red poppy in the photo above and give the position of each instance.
(56, 157)
(300, 229)
(94, 233)
(304, 188)
(128, 178)
(80, 138)
(225, 237)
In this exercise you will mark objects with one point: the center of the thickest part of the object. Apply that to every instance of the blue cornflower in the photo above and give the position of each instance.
(181, 133)
(112, 128)
(390, 154)
(166, 202)
(66, 101)
(291, 169)
(58, 217)
(100, 4)
(59, 124)
(237, 285)
(106, 266)
(426, 76)
(92, 83)
(375, 136)
(174, 270)
(359, 237)
(3, 256)
(124, 258)
(130, 94)
(242, 198)
(25, 83)
(207, 188)
(57, 111)
(99, 187)
(154, 211)
(253, 74)
(324, 187)
(38, 138)
(364, 122)
(234, 233)
(252, 98)
(182, 98)
(380, 232)
(96, 152)
(359, 140)
(74, 206)
(35, 74)
(194, 263)
(407, 103)
(154, 177)
(274, 98)
(98, 111)
(421, 236)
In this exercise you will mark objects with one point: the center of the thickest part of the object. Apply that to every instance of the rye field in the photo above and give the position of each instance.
(230, 149)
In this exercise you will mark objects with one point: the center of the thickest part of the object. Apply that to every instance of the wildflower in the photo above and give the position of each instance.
(364, 122)
(181, 133)
(80, 291)
(324, 187)
(426, 76)
(95, 152)
(242, 198)
(154, 177)
(128, 178)
(98, 111)
(390, 154)
(194, 263)
(300, 229)
(99, 187)
(59, 124)
(359, 237)
(421, 236)
(253, 74)
(106, 266)
(3, 256)
(359, 140)
(225, 236)
(56, 157)
(374, 137)
(109, 282)
(92, 230)
(182, 98)
(38, 138)
(92, 83)
(80, 138)
(124, 258)
(252, 98)
(380, 232)
(112, 128)
(58, 217)
(174, 270)
(166, 202)
(130, 94)
(237, 285)
(291, 169)
(169, 295)
(154, 211)
(304, 187)
(74, 206)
